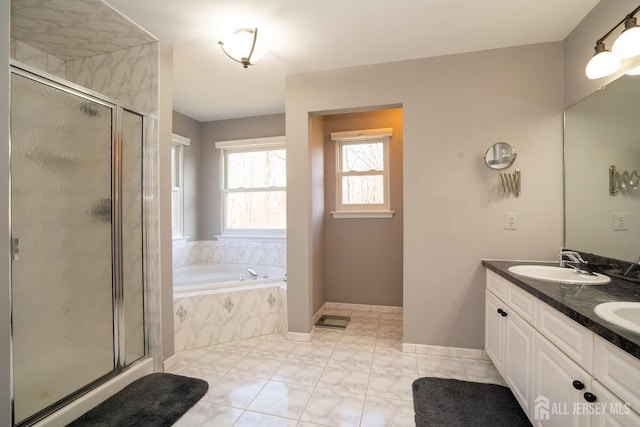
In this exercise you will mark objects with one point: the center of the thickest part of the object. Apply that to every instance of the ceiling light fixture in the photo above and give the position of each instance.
(627, 45)
(242, 46)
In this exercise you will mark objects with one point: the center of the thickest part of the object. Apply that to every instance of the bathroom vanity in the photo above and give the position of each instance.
(565, 365)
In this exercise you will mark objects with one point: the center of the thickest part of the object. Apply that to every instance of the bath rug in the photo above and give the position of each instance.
(157, 399)
(333, 322)
(448, 402)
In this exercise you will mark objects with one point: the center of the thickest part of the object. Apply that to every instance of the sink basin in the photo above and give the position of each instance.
(558, 274)
(623, 314)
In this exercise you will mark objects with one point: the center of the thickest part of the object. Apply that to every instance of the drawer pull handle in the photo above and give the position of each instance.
(590, 397)
(578, 385)
(502, 312)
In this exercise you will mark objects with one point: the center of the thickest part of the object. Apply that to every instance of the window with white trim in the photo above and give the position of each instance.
(254, 187)
(177, 185)
(362, 174)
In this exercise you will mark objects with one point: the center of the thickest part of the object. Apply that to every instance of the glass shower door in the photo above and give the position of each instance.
(61, 222)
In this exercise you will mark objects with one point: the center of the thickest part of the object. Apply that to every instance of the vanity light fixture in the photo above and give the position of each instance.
(627, 45)
(242, 46)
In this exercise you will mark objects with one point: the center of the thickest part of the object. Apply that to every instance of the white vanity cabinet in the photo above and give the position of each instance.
(554, 366)
(509, 342)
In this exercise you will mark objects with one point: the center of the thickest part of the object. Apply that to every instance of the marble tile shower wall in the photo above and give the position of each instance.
(129, 76)
(214, 251)
(37, 58)
(216, 318)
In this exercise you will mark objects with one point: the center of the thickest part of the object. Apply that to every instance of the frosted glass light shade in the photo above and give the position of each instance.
(602, 64)
(627, 45)
(634, 71)
(238, 46)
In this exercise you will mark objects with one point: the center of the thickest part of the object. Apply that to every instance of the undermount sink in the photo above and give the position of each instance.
(550, 273)
(623, 314)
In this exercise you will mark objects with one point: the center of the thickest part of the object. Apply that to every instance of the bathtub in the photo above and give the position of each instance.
(212, 305)
(211, 277)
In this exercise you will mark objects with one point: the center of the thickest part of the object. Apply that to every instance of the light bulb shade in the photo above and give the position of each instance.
(602, 64)
(634, 71)
(627, 45)
(243, 46)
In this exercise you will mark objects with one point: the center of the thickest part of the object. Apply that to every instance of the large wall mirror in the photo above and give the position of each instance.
(600, 131)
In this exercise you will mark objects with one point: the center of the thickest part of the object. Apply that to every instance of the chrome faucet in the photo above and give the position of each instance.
(631, 268)
(576, 262)
(252, 273)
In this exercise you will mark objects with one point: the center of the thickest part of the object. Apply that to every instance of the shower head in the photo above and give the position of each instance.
(89, 109)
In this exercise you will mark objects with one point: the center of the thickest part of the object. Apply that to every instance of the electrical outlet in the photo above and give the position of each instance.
(510, 221)
(620, 221)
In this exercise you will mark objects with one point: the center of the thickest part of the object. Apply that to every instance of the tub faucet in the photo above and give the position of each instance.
(252, 273)
(576, 262)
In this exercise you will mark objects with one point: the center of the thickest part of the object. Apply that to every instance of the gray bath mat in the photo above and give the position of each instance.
(447, 402)
(333, 322)
(155, 400)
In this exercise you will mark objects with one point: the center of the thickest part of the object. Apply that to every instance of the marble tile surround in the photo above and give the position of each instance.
(223, 316)
(214, 251)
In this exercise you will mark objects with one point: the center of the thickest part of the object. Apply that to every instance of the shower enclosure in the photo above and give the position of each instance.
(77, 285)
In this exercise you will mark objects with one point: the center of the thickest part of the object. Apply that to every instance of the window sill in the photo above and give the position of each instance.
(180, 239)
(362, 214)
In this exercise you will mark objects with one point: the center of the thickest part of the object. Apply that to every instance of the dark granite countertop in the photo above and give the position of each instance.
(578, 301)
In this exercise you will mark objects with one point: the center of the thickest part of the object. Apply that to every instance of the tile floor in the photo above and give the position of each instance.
(355, 377)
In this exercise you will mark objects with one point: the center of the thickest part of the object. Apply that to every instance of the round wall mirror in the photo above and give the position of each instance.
(500, 156)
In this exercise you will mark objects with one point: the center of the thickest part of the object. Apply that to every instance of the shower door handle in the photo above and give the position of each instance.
(15, 249)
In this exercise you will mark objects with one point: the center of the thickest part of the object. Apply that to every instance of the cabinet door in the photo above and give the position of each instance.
(518, 363)
(612, 412)
(618, 371)
(494, 331)
(557, 401)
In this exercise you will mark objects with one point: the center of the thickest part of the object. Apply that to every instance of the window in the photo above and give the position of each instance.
(177, 186)
(362, 174)
(254, 187)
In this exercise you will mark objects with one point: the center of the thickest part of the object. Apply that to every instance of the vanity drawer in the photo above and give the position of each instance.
(572, 338)
(618, 371)
(521, 302)
(496, 284)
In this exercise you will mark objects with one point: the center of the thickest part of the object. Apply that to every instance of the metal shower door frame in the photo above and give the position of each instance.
(17, 68)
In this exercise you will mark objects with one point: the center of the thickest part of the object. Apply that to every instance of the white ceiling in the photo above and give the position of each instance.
(307, 35)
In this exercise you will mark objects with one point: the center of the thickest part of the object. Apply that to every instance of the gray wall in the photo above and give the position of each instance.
(363, 257)
(579, 48)
(5, 234)
(454, 108)
(209, 213)
(192, 157)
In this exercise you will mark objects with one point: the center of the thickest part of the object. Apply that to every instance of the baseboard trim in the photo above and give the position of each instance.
(169, 362)
(362, 307)
(319, 313)
(300, 336)
(436, 350)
